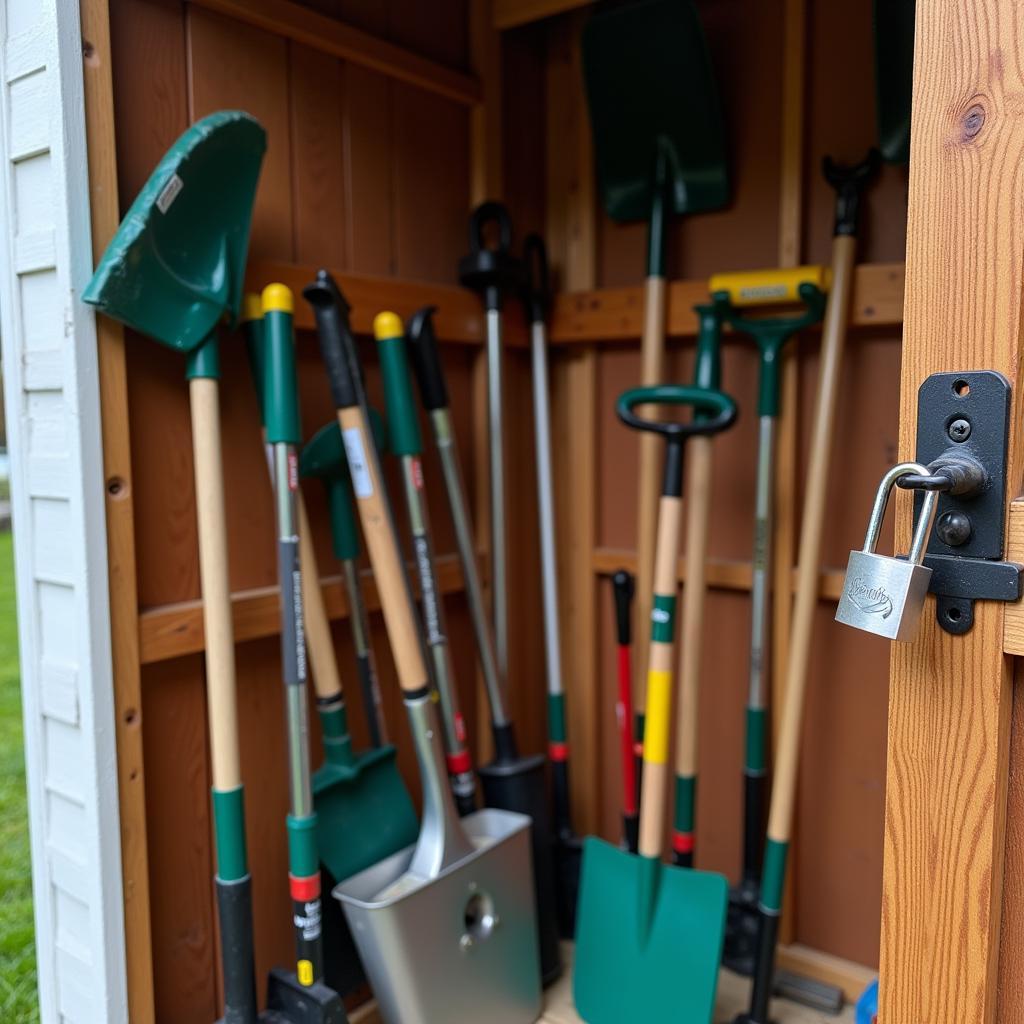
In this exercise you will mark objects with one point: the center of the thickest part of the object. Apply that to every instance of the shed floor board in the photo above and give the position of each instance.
(733, 996)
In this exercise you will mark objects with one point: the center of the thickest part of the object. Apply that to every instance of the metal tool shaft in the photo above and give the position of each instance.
(364, 654)
(496, 440)
(494, 683)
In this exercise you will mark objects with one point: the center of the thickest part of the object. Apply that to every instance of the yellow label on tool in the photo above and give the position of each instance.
(304, 972)
(659, 708)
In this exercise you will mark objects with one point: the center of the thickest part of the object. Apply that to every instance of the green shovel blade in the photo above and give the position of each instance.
(364, 812)
(176, 265)
(648, 939)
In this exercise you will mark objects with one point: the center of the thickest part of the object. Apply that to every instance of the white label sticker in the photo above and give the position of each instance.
(169, 193)
(361, 479)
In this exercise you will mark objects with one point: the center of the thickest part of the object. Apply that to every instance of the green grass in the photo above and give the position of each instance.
(18, 1004)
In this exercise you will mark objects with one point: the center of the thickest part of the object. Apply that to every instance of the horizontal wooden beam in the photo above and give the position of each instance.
(851, 977)
(173, 630)
(722, 574)
(608, 315)
(616, 314)
(510, 13)
(328, 35)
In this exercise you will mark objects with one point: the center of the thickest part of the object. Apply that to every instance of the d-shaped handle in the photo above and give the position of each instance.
(490, 212)
(721, 407)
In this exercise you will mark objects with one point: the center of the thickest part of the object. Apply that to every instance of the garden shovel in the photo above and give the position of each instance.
(649, 936)
(659, 150)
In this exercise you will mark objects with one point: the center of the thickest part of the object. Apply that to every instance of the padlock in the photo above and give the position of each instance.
(881, 594)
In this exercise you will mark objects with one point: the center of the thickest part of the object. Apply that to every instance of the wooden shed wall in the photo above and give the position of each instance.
(370, 175)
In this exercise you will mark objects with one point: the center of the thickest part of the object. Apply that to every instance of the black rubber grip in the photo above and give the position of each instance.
(505, 747)
(426, 360)
(234, 907)
(490, 212)
(623, 589)
(849, 183)
(336, 343)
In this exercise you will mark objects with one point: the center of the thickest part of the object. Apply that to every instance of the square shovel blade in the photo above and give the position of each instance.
(648, 939)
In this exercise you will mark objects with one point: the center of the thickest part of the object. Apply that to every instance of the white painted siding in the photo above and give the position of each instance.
(52, 399)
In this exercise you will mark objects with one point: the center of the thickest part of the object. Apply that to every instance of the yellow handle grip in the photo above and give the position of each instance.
(769, 287)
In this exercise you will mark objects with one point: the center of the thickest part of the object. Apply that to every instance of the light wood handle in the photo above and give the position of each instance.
(652, 363)
(658, 709)
(698, 510)
(221, 698)
(780, 819)
(382, 546)
(319, 643)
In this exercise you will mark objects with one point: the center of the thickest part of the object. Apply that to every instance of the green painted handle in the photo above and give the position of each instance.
(344, 535)
(403, 425)
(252, 330)
(280, 381)
(707, 370)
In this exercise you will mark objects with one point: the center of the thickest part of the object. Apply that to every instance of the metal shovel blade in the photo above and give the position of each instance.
(177, 263)
(650, 89)
(648, 939)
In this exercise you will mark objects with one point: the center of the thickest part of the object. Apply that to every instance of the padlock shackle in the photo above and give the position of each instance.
(922, 529)
(701, 399)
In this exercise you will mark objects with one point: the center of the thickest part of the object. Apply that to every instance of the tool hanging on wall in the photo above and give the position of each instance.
(446, 927)
(323, 456)
(174, 270)
(493, 271)
(730, 293)
(622, 591)
(659, 150)
(849, 183)
(283, 433)
(707, 375)
(536, 295)
(649, 936)
(511, 781)
(406, 443)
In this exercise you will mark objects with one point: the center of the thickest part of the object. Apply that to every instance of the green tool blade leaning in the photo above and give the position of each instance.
(648, 938)
(652, 96)
(177, 263)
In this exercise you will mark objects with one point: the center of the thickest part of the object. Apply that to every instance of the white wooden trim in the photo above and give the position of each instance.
(53, 420)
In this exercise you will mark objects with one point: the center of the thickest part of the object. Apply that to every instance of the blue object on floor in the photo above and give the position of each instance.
(867, 1005)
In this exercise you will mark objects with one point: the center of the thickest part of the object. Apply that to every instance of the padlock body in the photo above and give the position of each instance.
(883, 595)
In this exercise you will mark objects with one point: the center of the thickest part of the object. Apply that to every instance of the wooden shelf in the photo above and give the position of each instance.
(602, 316)
(328, 35)
(510, 13)
(171, 631)
(722, 574)
(616, 314)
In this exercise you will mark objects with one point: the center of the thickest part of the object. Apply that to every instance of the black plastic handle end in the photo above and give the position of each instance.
(426, 359)
(849, 181)
(536, 283)
(623, 588)
(336, 343)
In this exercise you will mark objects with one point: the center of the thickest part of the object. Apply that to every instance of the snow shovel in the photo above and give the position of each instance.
(649, 936)
(404, 432)
(536, 295)
(283, 432)
(622, 588)
(446, 927)
(510, 781)
(323, 456)
(349, 789)
(730, 293)
(849, 183)
(659, 149)
(174, 270)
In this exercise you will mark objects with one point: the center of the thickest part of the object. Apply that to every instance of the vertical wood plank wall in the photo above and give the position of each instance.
(370, 175)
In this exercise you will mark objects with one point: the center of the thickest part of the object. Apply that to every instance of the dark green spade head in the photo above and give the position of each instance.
(654, 110)
(177, 263)
(894, 77)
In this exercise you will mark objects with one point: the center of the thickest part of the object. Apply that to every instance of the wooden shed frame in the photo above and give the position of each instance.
(953, 913)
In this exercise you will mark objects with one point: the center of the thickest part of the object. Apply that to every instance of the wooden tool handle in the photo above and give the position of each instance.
(652, 361)
(213, 573)
(698, 509)
(658, 708)
(326, 680)
(382, 545)
(833, 337)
